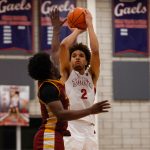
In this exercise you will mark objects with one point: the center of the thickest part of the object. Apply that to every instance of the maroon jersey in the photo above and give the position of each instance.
(50, 134)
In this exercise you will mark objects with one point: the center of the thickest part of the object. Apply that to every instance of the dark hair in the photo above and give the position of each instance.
(40, 66)
(17, 92)
(83, 48)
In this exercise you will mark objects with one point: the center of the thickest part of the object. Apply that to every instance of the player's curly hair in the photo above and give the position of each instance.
(40, 67)
(84, 49)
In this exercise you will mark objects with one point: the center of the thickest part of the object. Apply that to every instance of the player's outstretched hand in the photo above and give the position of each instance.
(55, 18)
(100, 107)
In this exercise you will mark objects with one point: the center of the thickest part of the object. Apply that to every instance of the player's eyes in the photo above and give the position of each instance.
(73, 56)
(81, 55)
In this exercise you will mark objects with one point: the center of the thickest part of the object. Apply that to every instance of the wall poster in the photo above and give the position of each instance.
(14, 105)
(130, 21)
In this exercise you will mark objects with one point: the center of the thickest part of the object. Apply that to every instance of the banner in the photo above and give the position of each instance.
(14, 102)
(130, 22)
(16, 25)
(46, 31)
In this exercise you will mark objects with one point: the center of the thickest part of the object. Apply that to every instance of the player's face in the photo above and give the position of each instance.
(78, 60)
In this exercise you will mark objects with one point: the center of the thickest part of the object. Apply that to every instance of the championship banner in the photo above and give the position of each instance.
(16, 25)
(14, 102)
(46, 29)
(130, 20)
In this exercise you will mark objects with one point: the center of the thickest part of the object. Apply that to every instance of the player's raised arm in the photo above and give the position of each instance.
(57, 24)
(64, 54)
(94, 45)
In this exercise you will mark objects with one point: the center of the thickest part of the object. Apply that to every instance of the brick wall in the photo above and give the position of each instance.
(127, 125)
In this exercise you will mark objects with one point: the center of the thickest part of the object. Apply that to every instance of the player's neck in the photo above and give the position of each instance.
(81, 71)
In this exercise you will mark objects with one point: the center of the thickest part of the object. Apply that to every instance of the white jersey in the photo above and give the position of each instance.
(80, 91)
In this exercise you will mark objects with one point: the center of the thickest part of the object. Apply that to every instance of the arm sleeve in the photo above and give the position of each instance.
(48, 93)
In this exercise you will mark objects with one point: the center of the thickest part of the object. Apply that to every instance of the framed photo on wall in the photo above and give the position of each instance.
(14, 102)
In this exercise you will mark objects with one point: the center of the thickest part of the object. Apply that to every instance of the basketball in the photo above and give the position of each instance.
(76, 18)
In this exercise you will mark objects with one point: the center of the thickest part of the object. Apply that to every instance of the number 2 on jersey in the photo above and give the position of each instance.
(84, 94)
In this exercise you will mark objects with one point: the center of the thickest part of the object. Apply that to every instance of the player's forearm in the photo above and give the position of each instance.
(95, 58)
(69, 40)
(55, 45)
(67, 115)
(94, 45)
(55, 39)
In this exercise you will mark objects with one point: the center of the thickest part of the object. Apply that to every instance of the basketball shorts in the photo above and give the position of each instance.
(82, 136)
(48, 140)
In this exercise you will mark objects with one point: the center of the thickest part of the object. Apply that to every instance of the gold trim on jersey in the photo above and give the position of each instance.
(49, 139)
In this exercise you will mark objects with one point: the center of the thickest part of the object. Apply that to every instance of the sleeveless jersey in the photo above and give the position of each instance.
(50, 133)
(49, 120)
(80, 91)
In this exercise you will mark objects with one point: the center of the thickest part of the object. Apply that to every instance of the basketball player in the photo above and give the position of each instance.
(14, 100)
(54, 104)
(80, 71)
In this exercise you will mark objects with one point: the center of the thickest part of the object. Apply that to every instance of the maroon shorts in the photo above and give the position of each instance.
(48, 140)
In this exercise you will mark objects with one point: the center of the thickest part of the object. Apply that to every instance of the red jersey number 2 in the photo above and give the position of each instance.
(84, 94)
